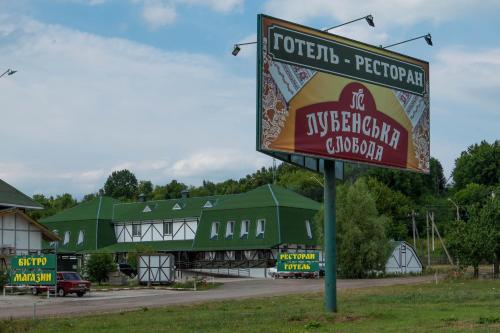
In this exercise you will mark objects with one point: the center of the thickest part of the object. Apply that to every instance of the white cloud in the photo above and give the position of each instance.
(393, 12)
(465, 76)
(223, 6)
(83, 105)
(214, 161)
(158, 13)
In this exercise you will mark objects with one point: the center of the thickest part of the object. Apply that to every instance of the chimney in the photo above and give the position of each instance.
(142, 197)
(185, 194)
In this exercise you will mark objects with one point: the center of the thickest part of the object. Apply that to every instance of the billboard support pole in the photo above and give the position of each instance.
(330, 240)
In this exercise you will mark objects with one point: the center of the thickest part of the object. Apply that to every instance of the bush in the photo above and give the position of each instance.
(362, 244)
(4, 279)
(98, 267)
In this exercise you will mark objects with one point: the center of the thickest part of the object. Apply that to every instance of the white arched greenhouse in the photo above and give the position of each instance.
(403, 259)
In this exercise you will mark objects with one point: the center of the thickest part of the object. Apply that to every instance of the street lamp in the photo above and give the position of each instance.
(428, 40)
(458, 213)
(368, 18)
(9, 72)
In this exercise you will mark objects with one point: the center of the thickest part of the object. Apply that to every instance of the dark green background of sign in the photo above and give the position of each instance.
(316, 256)
(51, 262)
(343, 68)
(32, 283)
(313, 263)
(314, 266)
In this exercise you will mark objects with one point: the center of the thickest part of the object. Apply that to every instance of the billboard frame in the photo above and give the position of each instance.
(318, 162)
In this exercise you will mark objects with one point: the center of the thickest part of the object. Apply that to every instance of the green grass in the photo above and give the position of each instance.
(453, 306)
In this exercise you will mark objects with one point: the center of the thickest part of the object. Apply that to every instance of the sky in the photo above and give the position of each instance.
(151, 85)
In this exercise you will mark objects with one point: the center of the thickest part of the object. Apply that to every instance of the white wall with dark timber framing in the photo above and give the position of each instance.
(19, 234)
(156, 230)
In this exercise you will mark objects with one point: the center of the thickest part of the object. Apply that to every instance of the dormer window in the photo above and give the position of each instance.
(177, 207)
(308, 230)
(81, 237)
(229, 229)
(245, 227)
(214, 233)
(208, 204)
(146, 210)
(261, 225)
(66, 237)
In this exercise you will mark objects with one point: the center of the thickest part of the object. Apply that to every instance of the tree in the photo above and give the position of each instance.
(99, 265)
(490, 216)
(479, 164)
(362, 245)
(395, 206)
(472, 196)
(304, 182)
(121, 185)
(145, 188)
(52, 205)
(474, 240)
(413, 185)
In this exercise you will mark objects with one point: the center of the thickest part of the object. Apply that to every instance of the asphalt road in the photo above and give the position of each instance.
(125, 300)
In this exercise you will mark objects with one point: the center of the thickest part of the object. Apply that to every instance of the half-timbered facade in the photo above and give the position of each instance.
(204, 233)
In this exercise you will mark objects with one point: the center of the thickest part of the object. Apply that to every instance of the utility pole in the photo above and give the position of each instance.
(428, 245)
(414, 227)
(432, 231)
(440, 239)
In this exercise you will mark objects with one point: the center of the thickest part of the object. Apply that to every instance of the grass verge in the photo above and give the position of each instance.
(451, 306)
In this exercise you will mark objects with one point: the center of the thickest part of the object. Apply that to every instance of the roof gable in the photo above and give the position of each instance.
(161, 209)
(98, 208)
(268, 196)
(47, 234)
(12, 197)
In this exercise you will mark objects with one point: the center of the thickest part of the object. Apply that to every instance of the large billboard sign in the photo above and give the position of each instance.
(329, 97)
(33, 270)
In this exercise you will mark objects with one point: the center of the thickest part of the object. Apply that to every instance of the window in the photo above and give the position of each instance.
(208, 204)
(215, 230)
(308, 229)
(229, 229)
(136, 230)
(81, 237)
(176, 207)
(167, 228)
(245, 226)
(261, 224)
(66, 237)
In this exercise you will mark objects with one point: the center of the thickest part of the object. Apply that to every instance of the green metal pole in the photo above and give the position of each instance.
(330, 238)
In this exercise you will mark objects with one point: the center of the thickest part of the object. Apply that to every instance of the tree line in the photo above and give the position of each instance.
(467, 209)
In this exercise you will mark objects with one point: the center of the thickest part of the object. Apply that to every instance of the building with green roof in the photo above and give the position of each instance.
(240, 230)
(19, 233)
(85, 227)
(11, 197)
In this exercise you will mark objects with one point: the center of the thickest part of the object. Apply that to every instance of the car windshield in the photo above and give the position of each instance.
(71, 276)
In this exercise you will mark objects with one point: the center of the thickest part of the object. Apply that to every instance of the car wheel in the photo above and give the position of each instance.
(34, 291)
(80, 294)
(61, 292)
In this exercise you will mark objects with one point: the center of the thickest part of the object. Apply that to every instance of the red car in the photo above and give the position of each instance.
(67, 283)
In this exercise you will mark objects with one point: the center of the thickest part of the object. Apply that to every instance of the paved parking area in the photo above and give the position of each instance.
(13, 306)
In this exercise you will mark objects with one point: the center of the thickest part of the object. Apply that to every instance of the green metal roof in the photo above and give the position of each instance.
(163, 209)
(99, 208)
(268, 196)
(176, 245)
(11, 197)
